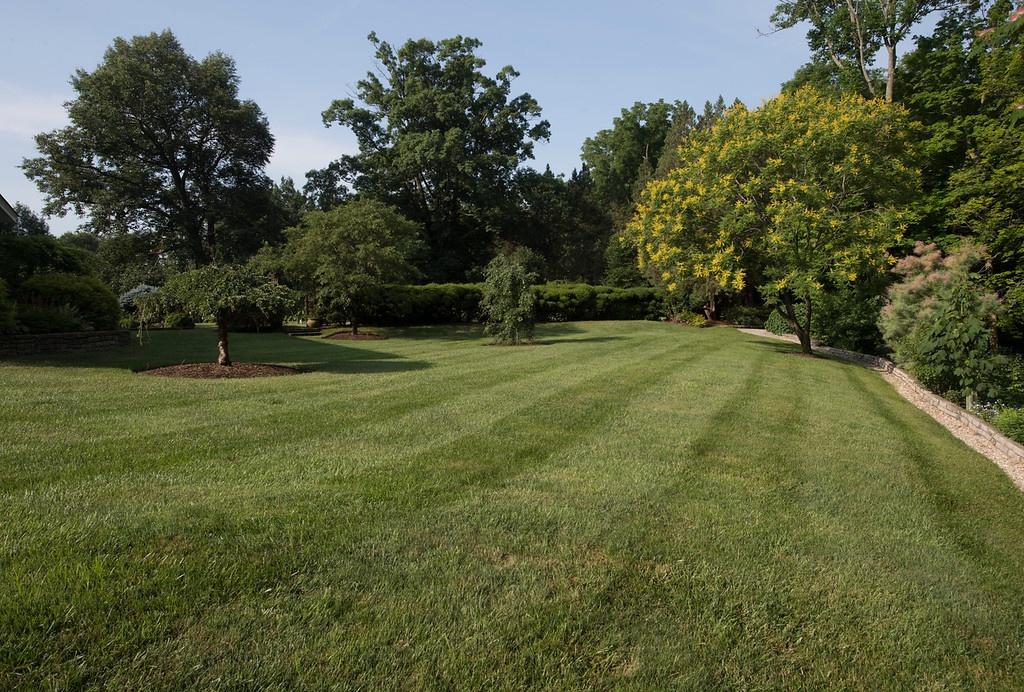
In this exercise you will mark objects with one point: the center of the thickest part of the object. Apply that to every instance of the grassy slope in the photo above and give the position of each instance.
(631, 504)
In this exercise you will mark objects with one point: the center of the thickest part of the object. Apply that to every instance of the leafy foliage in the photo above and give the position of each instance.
(7, 322)
(23, 256)
(808, 191)
(939, 322)
(158, 142)
(424, 304)
(179, 320)
(440, 141)
(848, 35)
(691, 319)
(342, 256)
(95, 305)
(956, 351)
(560, 220)
(228, 295)
(29, 223)
(508, 303)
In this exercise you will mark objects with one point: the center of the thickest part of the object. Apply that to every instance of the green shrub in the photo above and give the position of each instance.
(847, 318)
(565, 302)
(24, 256)
(1010, 422)
(582, 302)
(179, 320)
(636, 303)
(691, 319)
(47, 319)
(508, 302)
(744, 316)
(777, 324)
(128, 298)
(95, 304)
(7, 322)
(397, 305)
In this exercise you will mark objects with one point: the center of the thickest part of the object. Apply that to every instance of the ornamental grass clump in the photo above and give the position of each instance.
(939, 322)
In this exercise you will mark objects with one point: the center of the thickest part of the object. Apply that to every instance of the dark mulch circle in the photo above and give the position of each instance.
(362, 336)
(210, 371)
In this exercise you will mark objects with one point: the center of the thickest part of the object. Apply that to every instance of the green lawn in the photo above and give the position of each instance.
(632, 505)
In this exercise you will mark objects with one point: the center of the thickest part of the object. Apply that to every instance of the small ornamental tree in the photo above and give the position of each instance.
(228, 295)
(340, 257)
(508, 304)
(808, 190)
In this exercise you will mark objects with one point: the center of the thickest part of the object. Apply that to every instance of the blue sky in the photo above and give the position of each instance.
(583, 61)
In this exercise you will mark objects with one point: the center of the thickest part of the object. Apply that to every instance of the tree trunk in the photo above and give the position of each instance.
(355, 324)
(890, 75)
(222, 344)
(803, 331)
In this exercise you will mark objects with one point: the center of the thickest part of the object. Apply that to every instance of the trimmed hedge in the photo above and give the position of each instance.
(399, 305)
(582, 302)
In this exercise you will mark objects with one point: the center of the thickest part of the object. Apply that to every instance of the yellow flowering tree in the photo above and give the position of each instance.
(810, 189)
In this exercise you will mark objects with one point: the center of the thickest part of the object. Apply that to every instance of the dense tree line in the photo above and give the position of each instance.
(166, 162)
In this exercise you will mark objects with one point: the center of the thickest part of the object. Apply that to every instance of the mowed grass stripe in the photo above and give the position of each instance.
(632, 505)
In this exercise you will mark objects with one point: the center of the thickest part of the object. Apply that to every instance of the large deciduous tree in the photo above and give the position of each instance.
(807, 190)
(983, 198)
(159, 143)
(849, 34)
(439, 140)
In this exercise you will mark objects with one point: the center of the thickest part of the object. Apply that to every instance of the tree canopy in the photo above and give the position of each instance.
(440, 141)
(806, 192)
(848, 34)
(228, 295)
(342, 255)
(159, 143)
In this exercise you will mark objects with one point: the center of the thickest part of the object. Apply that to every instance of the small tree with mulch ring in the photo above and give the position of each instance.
(228, 295)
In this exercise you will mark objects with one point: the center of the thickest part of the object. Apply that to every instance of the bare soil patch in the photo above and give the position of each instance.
(210, 371)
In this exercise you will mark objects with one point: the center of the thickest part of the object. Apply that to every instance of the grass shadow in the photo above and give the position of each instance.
(585, 340)
(445, 332)
(165, 348)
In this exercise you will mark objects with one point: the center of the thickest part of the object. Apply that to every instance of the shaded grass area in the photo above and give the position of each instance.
(627, 505)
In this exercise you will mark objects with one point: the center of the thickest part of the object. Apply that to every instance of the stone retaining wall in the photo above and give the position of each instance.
(976, 425)
(71, 342)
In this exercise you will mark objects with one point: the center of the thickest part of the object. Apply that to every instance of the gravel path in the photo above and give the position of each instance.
(1012, 464)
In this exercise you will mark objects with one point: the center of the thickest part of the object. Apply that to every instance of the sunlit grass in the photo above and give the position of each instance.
(627, 504)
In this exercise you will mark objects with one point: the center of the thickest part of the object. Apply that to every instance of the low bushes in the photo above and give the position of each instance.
(7, 321)
(399, 305)
(55, 302)
(582, 302)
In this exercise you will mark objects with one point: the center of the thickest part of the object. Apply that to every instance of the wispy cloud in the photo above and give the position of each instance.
(25, 113)
(296, 152)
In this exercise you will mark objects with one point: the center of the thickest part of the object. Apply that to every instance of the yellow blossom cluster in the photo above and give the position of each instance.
(807, 187)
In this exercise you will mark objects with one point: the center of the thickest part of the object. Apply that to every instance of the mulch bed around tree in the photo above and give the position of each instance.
(209, 371)
(362, 336)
